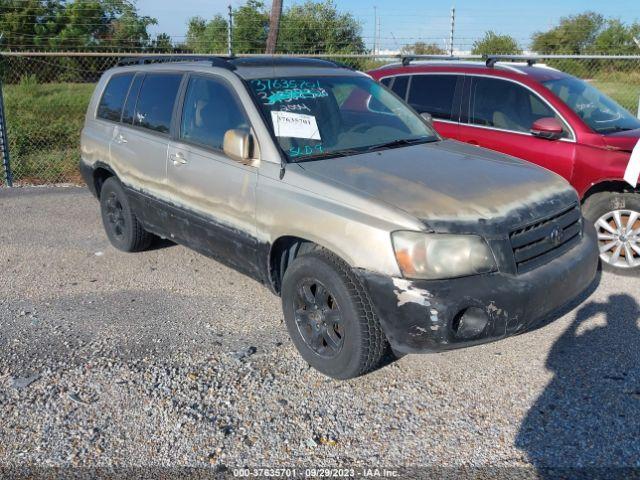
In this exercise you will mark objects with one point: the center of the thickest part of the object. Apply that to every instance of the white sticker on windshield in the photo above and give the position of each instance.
(295, 125)
(632, 172)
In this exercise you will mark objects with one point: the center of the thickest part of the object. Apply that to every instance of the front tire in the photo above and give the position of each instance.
(122, 227)
(329, 316)
(616, 217)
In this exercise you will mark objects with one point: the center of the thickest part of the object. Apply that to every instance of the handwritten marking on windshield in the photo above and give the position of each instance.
(296, 94)
(305, 150)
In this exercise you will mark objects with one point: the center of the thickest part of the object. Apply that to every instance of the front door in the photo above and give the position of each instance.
(499, 117)
(215, 195)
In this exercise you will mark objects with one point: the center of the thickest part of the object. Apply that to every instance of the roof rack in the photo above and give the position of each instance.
(407, 59)
(285, 61)
(491, 60)
(216, 61)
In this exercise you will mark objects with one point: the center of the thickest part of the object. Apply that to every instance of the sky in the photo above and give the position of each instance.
(407, 21)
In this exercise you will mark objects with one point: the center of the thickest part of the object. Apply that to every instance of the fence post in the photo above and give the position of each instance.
(230, 33)
(4, 144)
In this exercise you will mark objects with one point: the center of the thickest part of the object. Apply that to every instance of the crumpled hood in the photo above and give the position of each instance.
(622, 140)
(447, 180)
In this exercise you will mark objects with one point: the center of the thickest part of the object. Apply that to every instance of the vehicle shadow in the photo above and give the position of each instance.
(588, 415)
(161, 244)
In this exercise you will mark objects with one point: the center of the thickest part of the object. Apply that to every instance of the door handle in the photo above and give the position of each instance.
(178, 159)
(120, 139)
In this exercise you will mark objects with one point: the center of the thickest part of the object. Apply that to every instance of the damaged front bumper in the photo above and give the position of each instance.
(420, 316)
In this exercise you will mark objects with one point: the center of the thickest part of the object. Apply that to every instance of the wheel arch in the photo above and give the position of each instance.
(284, 250)
(615, 186)
(101, 171)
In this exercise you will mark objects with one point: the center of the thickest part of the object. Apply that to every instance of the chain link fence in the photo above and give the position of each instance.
(46, 96)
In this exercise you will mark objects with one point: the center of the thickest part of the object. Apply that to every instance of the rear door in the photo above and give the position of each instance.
(499, 113)
(437, 94)
(98, 133)
(215, 193)
(141, 141)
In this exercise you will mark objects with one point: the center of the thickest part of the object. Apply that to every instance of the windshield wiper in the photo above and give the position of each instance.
(401, 142)
(616, 129)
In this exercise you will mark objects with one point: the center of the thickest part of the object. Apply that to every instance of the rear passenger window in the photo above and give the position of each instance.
(210, 109)
(155, 101)
(130, 104)
(433, 94)
(110, 107)
(386, 81)
(399, 86)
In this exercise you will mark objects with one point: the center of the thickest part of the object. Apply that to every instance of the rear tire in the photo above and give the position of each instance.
(330, 317)
(616, 217)
(120, 224)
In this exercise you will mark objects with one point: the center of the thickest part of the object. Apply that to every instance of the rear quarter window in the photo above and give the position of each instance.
(113, 97)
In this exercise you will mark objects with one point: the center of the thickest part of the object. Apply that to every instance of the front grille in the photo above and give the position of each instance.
(538, 242)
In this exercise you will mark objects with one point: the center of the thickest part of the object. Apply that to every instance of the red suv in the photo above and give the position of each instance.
(544, 116)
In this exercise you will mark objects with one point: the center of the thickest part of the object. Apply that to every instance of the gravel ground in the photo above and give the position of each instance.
(168, 358)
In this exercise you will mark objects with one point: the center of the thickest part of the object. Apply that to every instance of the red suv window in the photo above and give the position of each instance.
(434, 94)
(506, 105)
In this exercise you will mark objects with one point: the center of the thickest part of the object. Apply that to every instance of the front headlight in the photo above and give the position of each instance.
(433, 256)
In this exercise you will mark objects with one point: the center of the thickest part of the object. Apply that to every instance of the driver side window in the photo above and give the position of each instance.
(210, 109)
(506, 106)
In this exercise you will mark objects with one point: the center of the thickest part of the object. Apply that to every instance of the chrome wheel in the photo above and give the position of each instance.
(619, 238)
(318, 319)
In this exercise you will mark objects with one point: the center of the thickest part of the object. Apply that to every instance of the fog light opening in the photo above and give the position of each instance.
(469, 323)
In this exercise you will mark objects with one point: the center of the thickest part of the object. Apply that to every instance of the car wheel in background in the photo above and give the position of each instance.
(122, 227)
(616, 217)
(329, 316)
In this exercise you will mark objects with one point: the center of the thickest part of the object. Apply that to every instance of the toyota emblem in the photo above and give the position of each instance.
(556, 236)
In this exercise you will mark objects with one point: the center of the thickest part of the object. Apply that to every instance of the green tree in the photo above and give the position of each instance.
(313, 27)
(575, 34)
(493, 43)
(422, 48)
(318, 27)
(250, 27)
(207, 36)
(76, 24)
(162, 43)
(617, 39)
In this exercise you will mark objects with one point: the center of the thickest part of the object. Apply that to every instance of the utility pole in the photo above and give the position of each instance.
(274, 26)
(375, 29)
(229, 35)
(453, 28)
(379, 28)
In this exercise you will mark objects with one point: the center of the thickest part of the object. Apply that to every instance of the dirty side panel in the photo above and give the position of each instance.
(233, 247)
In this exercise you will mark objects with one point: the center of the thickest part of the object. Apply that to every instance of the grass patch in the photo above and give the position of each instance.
(44, 122)
(625, 93)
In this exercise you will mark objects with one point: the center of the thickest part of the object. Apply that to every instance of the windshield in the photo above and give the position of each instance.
(322, 117)
(597, 110)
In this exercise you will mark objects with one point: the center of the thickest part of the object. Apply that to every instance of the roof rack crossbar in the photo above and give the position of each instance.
(216, 61)
(407, 59)
(491, 60)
